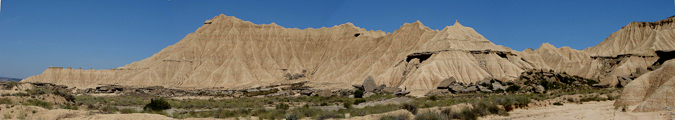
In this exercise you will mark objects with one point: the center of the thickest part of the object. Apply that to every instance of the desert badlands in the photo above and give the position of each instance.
(234, 69)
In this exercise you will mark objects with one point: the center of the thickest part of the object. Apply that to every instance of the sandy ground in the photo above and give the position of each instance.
(587, 111)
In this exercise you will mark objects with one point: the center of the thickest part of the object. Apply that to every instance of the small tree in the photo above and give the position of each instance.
(157, 105)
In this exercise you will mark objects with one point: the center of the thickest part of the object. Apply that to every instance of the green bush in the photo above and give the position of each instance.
(430, 116)
(347, 104)
(5, 101)
(513, 88)
(157, 105)
(358, 101)
(282, 106)
(292, 117)
(358, 93)
(410, 107)
(68, 97)
(394, 117)
(68, 106)
(10, 85)
(329, 115)
(558, 104)
(128, 110)
(40, 103)
(109, 109)
(433, 98)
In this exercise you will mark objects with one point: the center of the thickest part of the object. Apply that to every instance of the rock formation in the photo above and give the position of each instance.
(230, 53)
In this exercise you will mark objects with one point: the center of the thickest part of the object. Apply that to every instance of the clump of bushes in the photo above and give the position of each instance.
(429, 116)
(396, 117)
(558, 104)
(513, 88)
(282, 106)
(5, 101)
(157, 105)
(329, 115)
(358, 101)
(410, 107)
(347, 104)
(68, 106)
(128, 111)
(39, 103)
(358, 93)
(292, 117)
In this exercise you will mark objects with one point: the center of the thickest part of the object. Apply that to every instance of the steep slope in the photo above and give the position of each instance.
(230, 53)
(639, 38)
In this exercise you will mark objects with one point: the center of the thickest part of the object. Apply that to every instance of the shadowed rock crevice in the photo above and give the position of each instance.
(421, 56)
(663, 57)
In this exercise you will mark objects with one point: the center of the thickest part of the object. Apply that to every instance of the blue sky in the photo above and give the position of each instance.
(104, 34)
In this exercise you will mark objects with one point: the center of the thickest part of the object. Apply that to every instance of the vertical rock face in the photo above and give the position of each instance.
(230, 53)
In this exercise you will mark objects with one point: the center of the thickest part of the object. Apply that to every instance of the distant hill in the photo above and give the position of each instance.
(6, 79)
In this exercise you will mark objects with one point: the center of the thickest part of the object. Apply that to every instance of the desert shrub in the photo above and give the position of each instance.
(39, 103)
(109, 109)
(157, 105)
(273, 114)
(484, 108)
(10, 85)
(433, 98)
(38, 91)
(358, 93)
(282, 106)
(410, 107)
(467, 114)
(20, 94)
(371, 110)
(513, 88)
(68, 106)
(394, 117)
(592, 98)
(557, 103)
(347, 104)
(68, 97)
(5, 101)
(305, 112)
(430, 116)
(292, 117)
(359, 101)
(510, 102)
(328, 115)
(128, 110)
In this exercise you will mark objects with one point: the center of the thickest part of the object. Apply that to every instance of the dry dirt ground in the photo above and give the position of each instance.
(587, 111)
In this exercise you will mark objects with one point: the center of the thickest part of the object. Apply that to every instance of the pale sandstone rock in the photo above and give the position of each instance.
(230, 53)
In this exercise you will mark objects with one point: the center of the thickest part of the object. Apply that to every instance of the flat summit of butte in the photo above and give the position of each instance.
(229, 53)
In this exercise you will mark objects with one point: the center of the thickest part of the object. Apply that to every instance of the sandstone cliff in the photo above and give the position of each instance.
(230, 53)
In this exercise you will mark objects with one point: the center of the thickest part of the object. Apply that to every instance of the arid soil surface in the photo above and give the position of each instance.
(587, 111)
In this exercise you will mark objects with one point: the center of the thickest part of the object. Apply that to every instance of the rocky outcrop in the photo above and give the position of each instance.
(652, 91)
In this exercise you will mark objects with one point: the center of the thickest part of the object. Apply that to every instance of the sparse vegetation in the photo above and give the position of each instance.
(5, 101)
(394, 117)
(39, 103)
(410, 107)
(68, 106)
(128, 111)
(430, 116)
(282, 106)
(157, 105)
